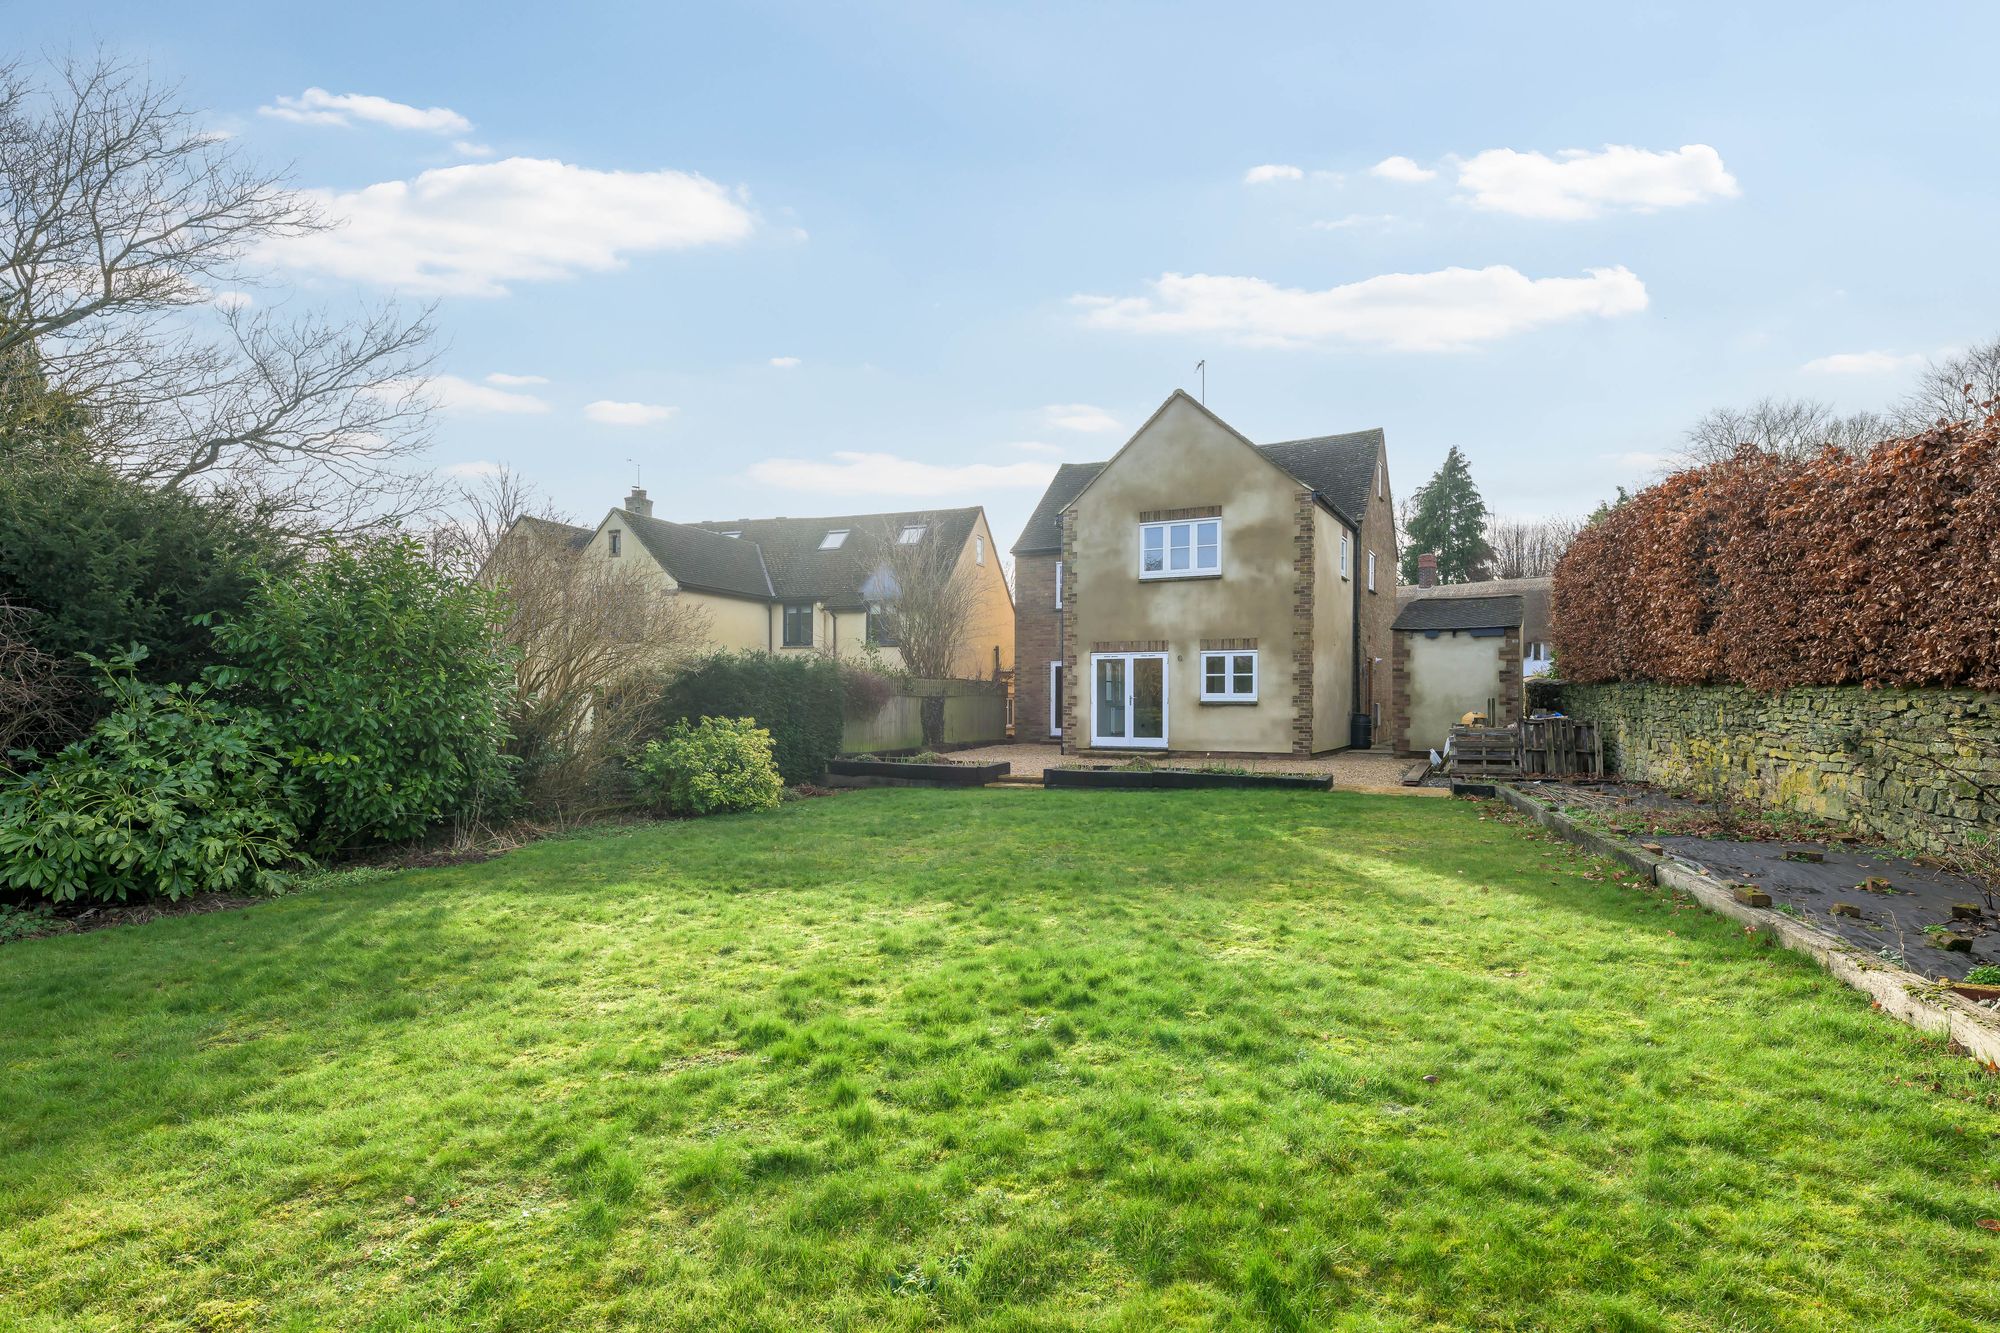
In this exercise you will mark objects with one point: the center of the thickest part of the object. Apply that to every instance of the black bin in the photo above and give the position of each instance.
(1361, 731)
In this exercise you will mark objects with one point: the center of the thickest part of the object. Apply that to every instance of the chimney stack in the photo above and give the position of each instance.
(637, 503)
(1427, 570)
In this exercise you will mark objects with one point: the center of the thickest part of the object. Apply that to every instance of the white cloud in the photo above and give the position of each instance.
(233, 300)
(1272, 171)
(850, 473)
(317, 106)
(785, 362)
(1079, 416)
(471, 230)
(1401, 168)
(453, 394)
(1356, 220)
(1449, 308)
(608, 413)
(467, 148)
(482, 468)
(1576, 183)
(505, 380)
(1863, 363)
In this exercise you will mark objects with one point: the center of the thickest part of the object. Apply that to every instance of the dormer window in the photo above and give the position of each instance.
(1185, 549)
(911, 534)
(833, 540)
(614, 539)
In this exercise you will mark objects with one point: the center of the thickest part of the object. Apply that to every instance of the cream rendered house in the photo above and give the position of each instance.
(1201, 593)
(799, 585)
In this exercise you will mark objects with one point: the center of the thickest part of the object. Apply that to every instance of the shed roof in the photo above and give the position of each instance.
(1443, 613)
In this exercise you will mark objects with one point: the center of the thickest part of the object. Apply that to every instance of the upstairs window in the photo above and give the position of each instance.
(1229, 678)
(833, 540)
(911, 534)
(799, 626)
(882, 630)
(978, 550)
(1344, 540)
(1180, 549)
(1371, 571)
(615, 539)
(1059, 574)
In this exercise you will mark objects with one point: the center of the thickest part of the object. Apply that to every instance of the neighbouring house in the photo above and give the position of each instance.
(798, 585)
(1537, 642)
(1205, 594)
(1453, 656)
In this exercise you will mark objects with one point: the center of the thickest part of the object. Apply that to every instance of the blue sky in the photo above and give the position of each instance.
(965, 222)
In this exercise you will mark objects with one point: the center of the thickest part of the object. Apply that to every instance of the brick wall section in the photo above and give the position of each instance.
(1302, 625)
(1073, 738)
(1399, 693)
(1036, 643)
(1510, 679)
(1378, 609)
(1918, 768)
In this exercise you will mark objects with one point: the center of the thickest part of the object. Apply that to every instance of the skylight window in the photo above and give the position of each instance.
(833, 540)
(732, 534)
(911, 534)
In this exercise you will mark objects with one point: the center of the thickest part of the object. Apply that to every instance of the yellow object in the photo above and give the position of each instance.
(1473, 719)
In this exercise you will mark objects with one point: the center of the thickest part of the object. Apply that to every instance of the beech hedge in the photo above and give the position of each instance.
(1839, 569)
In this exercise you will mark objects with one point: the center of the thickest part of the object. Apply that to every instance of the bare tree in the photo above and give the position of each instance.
(121, 219)
(1791, 427)
(924, 587)
(589, 637)
(1528, 548)
(480, 518)
(43, 702)
(1952, 388)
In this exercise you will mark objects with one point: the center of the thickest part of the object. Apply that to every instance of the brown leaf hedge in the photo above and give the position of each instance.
(1877, 569)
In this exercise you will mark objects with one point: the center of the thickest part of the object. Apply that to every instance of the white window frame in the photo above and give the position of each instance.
(911, 534)
(615, 540)
(835, 539)
(1166, 527)
(1059, 581)
(1129, 742)
(1371, 571)
(1346, 540)
(978, 550)
(1229, 694)
(1055, 700)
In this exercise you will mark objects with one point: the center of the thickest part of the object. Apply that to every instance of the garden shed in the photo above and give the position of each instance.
(1453, 655)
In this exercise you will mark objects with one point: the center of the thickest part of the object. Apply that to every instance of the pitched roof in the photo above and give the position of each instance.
(1459, 613)
(799, 571)
(1044, 528)
(700, 559)
(1340, 467)
(1534, 595)
(569, 534)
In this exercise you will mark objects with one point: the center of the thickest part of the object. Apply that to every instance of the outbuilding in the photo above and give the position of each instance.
(1453, 655)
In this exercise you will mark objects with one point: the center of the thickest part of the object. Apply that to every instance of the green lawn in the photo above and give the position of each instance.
(905, 1059)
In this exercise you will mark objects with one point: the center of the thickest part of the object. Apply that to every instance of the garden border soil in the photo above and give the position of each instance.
(889, 772)
(1922, 1003)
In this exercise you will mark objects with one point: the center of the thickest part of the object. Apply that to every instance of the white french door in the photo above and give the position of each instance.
(1128, 700)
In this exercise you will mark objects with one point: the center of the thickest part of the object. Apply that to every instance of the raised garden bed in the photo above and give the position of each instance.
(902, 772)
(1178, 778)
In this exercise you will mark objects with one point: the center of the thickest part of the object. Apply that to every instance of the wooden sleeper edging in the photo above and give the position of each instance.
(1898, 992)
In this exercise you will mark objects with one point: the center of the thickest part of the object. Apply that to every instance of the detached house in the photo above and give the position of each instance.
(798, 585)
(1201, 593)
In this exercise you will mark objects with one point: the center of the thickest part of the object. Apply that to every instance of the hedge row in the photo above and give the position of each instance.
(1880, 569)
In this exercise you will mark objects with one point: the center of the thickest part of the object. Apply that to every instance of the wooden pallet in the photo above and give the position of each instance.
(1561, 747)
(1485, 752)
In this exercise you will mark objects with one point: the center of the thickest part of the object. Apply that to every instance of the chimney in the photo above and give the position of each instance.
(1427, 570)
(637, 503)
